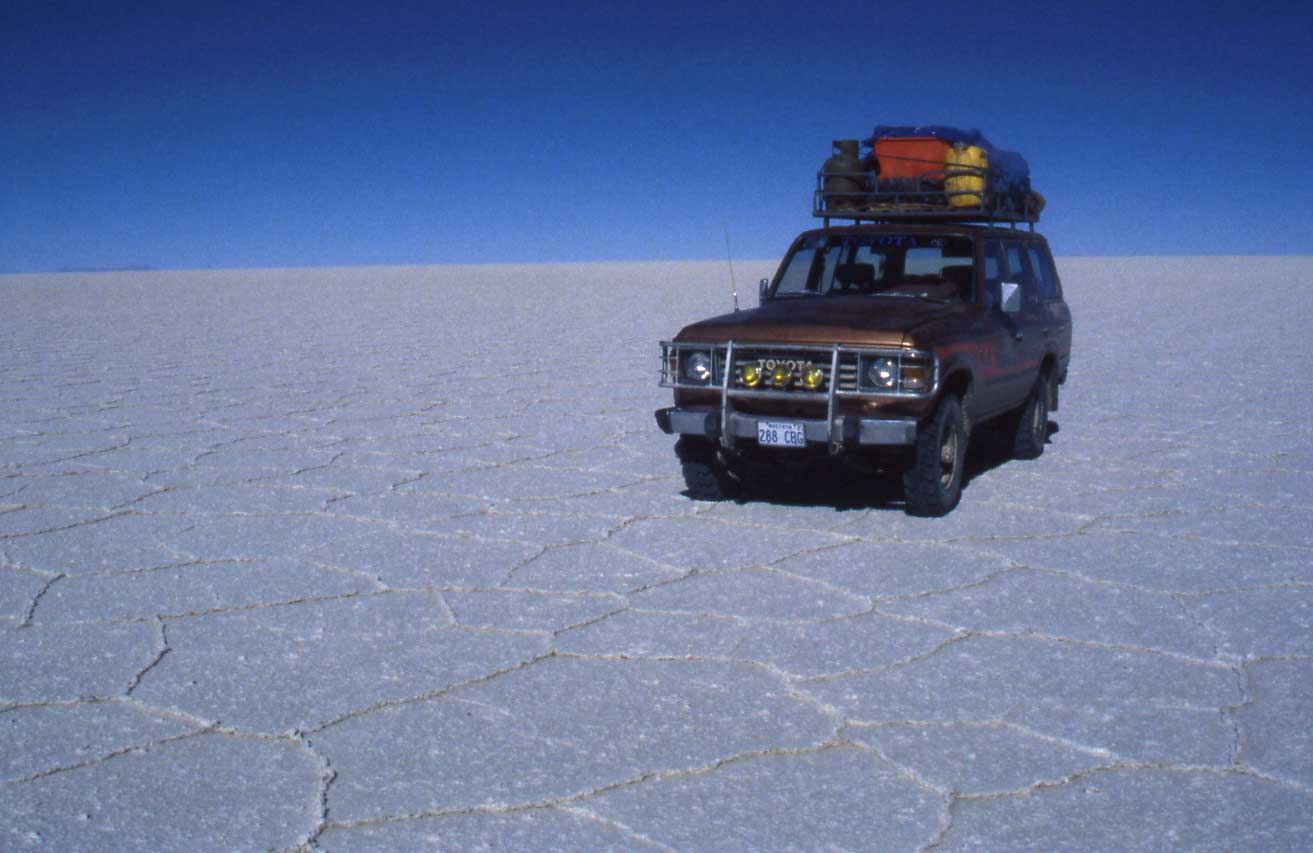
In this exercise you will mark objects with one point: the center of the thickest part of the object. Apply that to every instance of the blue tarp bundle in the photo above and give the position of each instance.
(1009, 173)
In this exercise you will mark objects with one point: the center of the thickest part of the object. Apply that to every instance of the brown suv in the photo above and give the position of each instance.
(877, 342)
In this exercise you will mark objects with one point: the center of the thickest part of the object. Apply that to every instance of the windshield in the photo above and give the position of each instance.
(923, 266)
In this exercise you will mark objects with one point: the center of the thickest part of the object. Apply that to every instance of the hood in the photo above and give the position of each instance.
(858, 320)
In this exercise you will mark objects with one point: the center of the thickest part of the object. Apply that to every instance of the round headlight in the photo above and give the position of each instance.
(883, 373)
(697, 366)
(780, 376)
(751, 375)
(813, 377)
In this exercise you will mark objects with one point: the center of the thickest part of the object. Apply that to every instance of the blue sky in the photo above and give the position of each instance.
(171, 136)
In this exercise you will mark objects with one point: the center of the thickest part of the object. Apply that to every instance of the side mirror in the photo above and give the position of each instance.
(762, 287)
(1011, 301)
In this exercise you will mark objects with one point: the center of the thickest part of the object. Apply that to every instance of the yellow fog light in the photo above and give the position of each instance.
(751, 375)
(780, 376)
(813, 377)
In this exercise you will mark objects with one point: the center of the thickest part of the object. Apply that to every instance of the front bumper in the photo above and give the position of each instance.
(842, 430)
(842, 387)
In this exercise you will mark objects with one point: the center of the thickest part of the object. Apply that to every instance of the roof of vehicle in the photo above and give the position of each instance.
(965, 229)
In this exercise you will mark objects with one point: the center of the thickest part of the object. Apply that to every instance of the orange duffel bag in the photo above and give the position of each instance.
(910, 156)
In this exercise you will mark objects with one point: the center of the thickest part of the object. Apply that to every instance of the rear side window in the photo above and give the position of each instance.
(1042, 263)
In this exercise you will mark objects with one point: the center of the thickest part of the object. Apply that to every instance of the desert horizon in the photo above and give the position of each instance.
(129, 270)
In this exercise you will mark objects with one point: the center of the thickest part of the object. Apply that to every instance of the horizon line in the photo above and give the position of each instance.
(144, 268)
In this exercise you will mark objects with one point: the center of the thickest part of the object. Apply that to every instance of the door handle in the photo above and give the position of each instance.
(1020, 334)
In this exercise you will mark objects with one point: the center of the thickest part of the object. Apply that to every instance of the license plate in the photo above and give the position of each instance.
(781, 434)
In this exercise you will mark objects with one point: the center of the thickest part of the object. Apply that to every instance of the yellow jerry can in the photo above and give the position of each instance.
(965, 167)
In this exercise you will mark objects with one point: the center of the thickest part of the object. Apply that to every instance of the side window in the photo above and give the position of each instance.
(1043, 267)
(1019, 271)
(993, 272)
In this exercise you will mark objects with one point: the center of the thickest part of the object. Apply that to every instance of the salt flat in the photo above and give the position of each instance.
(365, 559)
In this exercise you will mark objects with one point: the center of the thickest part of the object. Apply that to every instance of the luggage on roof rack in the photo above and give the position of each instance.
(928, 173)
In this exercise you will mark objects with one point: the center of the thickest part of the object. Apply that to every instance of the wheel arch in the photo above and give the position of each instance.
(960, 381)
(1051, 367)
(1049, 364)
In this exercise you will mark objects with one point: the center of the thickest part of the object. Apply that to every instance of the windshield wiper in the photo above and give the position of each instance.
(925, 297)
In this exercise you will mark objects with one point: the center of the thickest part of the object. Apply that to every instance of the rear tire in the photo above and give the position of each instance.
(932, 484)
(706, 476)
(1032, 429)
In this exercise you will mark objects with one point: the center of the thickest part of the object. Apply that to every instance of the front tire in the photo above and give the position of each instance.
(932, 484)
(706, 476)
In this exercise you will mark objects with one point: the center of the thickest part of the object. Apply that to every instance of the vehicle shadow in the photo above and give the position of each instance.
(843, 487)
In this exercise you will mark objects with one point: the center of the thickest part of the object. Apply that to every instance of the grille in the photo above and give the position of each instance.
(797, 360)
(849, 362)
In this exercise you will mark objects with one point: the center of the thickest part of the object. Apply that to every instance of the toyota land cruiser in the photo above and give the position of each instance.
(891, 340)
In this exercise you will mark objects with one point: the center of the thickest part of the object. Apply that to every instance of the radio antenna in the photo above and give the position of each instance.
(733, 288)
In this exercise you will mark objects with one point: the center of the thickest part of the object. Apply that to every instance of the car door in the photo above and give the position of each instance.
(1000, 336)
(1031, 324)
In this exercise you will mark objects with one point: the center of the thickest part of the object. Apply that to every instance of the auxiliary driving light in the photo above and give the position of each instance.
(780, 376)
(813, 378)
(751, 375)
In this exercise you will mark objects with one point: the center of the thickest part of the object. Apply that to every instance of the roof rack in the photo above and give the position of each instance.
(929, 197)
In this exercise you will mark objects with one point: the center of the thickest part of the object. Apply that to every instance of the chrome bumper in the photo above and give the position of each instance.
(843, 429)
(726, 425)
